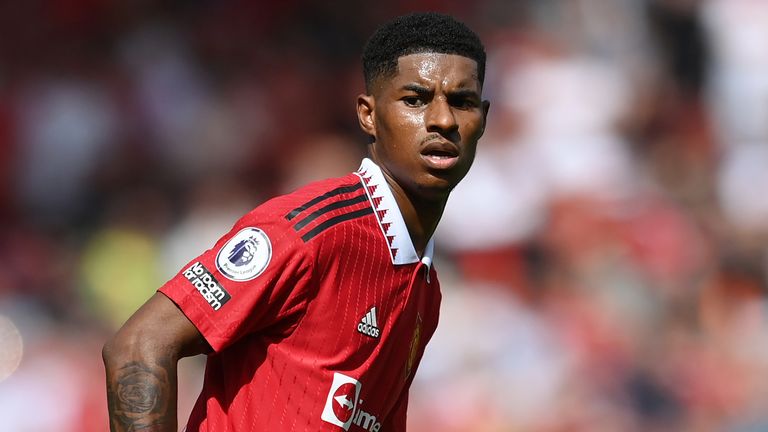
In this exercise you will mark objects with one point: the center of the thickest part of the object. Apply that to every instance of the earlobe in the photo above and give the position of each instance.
(366, 114)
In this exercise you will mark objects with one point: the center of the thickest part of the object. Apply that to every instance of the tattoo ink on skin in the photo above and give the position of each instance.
(138, 397)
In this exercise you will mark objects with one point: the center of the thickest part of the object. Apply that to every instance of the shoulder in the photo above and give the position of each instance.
(307, 211)
(276, 231)
(321, 206)
(285, 208)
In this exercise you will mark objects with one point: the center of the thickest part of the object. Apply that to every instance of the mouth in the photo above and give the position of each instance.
(440, 155)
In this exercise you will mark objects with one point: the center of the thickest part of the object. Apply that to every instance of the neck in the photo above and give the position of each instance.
(421, 215)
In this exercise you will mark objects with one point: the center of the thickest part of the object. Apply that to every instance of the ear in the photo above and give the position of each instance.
(486, 107)
(366, 115)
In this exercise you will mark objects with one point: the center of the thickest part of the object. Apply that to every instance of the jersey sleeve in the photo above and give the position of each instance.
(256, 278)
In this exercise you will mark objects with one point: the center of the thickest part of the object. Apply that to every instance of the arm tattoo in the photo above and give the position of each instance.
(140, 396)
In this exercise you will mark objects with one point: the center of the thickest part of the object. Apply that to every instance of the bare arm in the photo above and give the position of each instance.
(140, 362)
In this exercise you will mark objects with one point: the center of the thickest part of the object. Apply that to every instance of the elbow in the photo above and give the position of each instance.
(118, 349)
(156, 333)
(130, 344)
(107, 351)
(111, 351)
(137, 343)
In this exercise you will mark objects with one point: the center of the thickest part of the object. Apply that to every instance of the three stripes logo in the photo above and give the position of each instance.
(369, 325)
(343, 205)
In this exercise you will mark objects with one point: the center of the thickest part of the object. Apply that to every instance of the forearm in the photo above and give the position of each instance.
(141, 361)
(141, 391)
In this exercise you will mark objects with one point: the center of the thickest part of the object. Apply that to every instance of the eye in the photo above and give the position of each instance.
(413, 101)
(463, 102)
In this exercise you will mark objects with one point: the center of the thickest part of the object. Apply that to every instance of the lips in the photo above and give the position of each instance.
(440, 155)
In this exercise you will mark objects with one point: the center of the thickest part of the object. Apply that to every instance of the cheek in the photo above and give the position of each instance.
(401, 128)
(473, 129)
(412, 119)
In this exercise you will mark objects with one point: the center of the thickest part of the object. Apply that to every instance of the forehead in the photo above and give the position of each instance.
(436, 68)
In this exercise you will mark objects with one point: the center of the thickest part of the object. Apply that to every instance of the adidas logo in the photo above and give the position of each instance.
(368, 325)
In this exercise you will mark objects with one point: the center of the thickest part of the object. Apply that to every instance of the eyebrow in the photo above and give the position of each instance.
(421, 90)
(418, 89)
(464, 93)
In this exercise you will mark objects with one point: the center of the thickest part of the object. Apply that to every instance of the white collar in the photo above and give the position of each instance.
(390, 219)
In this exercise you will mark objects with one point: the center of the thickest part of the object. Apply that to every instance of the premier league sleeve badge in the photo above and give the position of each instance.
(245, 256)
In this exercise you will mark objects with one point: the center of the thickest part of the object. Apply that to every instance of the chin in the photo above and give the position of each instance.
(437, 189)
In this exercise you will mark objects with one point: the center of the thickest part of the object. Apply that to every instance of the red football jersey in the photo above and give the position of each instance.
(318, 310)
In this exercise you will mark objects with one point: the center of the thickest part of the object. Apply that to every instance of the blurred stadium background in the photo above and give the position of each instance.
(604, 264)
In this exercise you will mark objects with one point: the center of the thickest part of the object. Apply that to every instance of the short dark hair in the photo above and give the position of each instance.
(419, 33)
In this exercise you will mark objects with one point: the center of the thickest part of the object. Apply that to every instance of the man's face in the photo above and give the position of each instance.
(426, 121)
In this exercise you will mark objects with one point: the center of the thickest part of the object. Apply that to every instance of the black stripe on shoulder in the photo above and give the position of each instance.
(338, 191)
(335, 220)
(332, 206)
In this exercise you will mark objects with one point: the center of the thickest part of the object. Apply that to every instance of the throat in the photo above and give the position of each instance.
(421, 217)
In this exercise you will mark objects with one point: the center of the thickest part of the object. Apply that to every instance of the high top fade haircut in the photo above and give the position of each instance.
(417, 33)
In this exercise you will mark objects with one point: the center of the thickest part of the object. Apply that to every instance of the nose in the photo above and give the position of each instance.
(440, 117)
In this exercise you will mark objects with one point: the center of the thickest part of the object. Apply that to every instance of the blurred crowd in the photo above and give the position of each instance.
(603, 265)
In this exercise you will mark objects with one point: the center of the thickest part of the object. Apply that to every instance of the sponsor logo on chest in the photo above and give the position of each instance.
(342, 407)
(207, 285)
